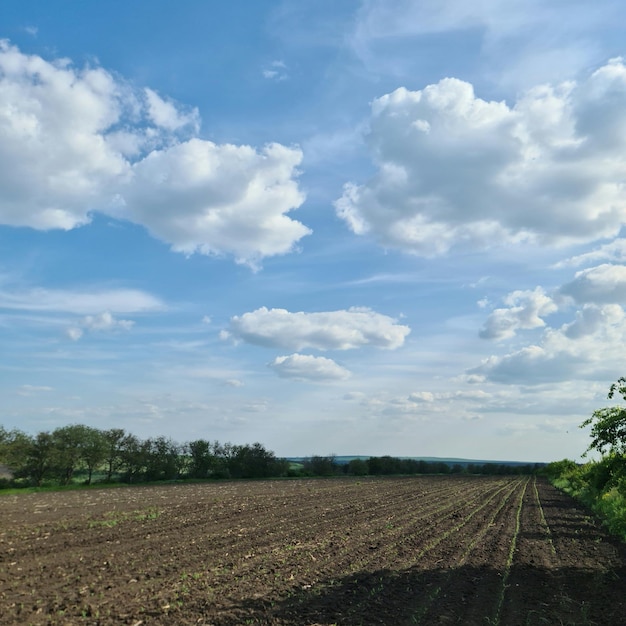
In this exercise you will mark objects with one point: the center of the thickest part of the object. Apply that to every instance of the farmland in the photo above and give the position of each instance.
(424, 550)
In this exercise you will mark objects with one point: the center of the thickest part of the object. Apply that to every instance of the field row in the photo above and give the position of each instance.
(424, 550)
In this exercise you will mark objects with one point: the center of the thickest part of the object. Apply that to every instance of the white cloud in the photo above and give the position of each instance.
(379, 19)
(602, 284)
(525, 311)
(520, 42)
(308, 368)
(102, 322)
(167, 115)
(612, 251)
(592, 318)
(589, 348)
(217, 199)
(430, 397)
(330, 330)
(74, 333)
(458, 404)
(277, 70)
(456, 170)
(55, 161)
(80, 302)
(233, 382)
(75, 141)
(422, 396)
(31, 390)
(106, 321)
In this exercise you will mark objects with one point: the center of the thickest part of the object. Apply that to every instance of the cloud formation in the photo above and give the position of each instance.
(613, 251)
(600, 284)
(458, 171)
(76, 141)
(305, 367)
(588, 348)
(85, 302)
(217, 199)
(103, 322)
(525, 311)
(520, 43)
(330, 330)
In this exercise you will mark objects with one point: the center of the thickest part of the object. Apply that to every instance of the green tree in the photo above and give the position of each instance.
(203, 458)
(321, 465)
(164, 459)
(73, 445)
(357, 467)
(134, 455)
(608, 425)
(254, 461)
(40, 458)
(113, 457)
(93, 450)
(15, 446)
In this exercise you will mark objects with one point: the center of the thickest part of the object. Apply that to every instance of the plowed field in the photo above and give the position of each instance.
(425, 550)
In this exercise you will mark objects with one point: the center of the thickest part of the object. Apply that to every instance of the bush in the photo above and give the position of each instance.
(599, 485)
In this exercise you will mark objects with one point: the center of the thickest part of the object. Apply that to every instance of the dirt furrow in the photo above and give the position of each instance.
(467, 590)
(429, 550)
(566, 567)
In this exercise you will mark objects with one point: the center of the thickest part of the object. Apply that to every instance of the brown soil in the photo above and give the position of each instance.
(426, 550)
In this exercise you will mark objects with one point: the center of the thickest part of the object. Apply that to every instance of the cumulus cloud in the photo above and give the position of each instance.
(217, 199)
(525, 311)
(55, 160)
(457, 170)
(592, 318)
(106, 321)
(75, 141)
(102, 322)
(330, 330)
(589, 348)
(601, 284)
(166, 114)
(305, 367)
(530, 365)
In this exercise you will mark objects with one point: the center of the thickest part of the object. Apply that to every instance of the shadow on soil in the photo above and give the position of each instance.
(465, 595)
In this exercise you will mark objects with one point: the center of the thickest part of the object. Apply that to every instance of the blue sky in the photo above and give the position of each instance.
(360, 227)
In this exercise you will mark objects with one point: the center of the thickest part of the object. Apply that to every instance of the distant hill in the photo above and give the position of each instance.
(343, 460)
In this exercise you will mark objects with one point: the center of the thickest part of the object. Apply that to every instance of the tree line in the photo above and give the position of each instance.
(394, 466)
(79, 453)
(116, 455)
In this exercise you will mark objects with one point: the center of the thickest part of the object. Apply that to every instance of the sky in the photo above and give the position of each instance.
(362, 227)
